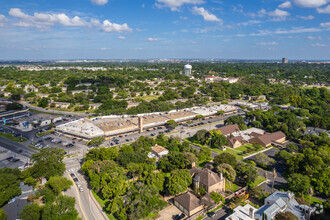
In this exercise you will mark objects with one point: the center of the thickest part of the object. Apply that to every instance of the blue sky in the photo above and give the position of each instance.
(128, 29)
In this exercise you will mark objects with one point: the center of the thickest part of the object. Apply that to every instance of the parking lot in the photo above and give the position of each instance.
(11, 159)
(71, 145)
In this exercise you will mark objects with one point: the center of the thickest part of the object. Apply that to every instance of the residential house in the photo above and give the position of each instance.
(228, 129)
(235, 141)
(267, 139)
(282, 202)
(63, 105)
(157, 152)
(208, 179)
(242, 213)
(188, 203)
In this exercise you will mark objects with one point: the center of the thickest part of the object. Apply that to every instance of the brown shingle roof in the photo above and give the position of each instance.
(255, 134)
(232, 140)
(206, 176)
(188, 201)
(273, 137)
(158, 149)
(228, 129)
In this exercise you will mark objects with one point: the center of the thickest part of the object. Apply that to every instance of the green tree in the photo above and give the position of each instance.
(3, 215)
(178, 181)
(225, 158)
(247, 172)
(113, 185)
(156, 179)
(236, 119)
(14, 106)
(96, 141)
(117, 208)
(171, 124)
(292, 147)
(30, 181)
(48, 162)
(299, 183)
(30, 212)
(173, 161)
(263, 160)
(216, 197)
(58, 184)
(43, 102)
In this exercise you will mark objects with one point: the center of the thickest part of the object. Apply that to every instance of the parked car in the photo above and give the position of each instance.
(9, 158)
(15, 160)
(179, 216)
(211, 214)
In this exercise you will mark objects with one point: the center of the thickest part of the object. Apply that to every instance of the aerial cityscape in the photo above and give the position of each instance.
(164, 110)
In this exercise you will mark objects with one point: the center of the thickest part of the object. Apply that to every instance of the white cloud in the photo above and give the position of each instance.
(326, 24)
(318, 45)
(292, 31)
(3, 20)
(262, 12)
(99, 2)
(309, 17)
(314, 38)
(310, 3)
(206, 15)
(251, 22)
(122, 38)
(279, 14)
(285, 5)
(46, 20)
(107, 26)
(105, 48)
(183, 17)
(273, 43)
(150, 39)
(174, 5)
(16, 12)
(325, 10)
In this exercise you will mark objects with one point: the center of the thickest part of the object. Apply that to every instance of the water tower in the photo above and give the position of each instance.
(187, 70)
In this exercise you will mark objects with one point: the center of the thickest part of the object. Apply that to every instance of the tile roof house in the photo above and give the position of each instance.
(188, 203)
(242, 213)
(208, 179)
(235, 141)
(228, 129)
(268, 139)
(157, 152)
(281, 202)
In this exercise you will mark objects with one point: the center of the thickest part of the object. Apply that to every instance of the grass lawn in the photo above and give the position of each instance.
(233, 188)
(244, 147)
(228, 150)
(45, 132)
(200, 217)
(10, 136)
(149, 97)
(313, 199)
(259, 180)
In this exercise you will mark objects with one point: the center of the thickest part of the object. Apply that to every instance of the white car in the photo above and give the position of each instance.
(81, 189)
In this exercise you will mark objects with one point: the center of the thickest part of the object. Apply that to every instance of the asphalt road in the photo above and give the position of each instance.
(86, 205)
(15, 147)
(52, 111)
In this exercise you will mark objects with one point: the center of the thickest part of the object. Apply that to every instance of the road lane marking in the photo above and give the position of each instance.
(78, 197)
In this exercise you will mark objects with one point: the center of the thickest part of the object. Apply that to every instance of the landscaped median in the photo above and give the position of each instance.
(44, 133)
(10, 136)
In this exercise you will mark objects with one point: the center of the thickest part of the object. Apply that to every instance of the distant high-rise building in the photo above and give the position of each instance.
(284, 60)
(187, 70)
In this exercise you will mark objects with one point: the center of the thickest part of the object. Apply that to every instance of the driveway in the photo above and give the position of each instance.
(168, 212)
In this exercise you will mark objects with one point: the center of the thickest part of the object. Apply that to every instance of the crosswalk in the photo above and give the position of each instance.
(72, 170)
